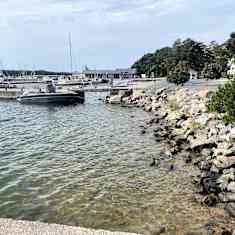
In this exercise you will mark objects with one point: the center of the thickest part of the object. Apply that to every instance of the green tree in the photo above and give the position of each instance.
(212, 71)
(223, 101)
(230, 44)
(179, 75)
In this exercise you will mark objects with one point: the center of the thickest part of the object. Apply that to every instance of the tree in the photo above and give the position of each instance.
(212, 71)
(217, 61)
(180, 74)
(211, 61)
(230, 44)
(223, 101)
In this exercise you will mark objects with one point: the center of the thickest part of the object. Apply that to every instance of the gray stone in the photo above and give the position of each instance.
(230, 152)
(224, 162)
(223, 181)
(227, 197)
(202, 142)
(231, 187)
(230, 208)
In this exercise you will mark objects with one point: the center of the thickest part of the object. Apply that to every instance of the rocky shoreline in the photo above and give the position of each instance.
(181, 121)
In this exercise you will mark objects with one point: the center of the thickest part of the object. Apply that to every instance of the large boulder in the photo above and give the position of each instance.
(231, 187)
(222, 162)
(230, 208)
(201, 142)
(227, 197)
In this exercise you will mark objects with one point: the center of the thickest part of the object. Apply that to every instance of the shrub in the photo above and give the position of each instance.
(223, 101)
(179, 75)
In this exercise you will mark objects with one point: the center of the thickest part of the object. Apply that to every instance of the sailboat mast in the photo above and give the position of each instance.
(70, 53)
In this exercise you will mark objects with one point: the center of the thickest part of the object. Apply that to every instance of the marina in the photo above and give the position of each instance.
(88, 165)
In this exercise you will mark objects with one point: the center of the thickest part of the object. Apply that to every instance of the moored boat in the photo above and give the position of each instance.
(52, 98)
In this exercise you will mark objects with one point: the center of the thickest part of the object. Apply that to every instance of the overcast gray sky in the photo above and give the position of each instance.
(105, 33)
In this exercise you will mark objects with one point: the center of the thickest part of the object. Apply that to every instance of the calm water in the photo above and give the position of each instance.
(88, 165)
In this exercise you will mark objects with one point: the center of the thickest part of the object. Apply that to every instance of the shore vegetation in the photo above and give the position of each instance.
(223, 101)
(209, 61)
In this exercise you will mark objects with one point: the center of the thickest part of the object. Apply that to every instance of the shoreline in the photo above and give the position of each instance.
(181, 121)
(13, 227)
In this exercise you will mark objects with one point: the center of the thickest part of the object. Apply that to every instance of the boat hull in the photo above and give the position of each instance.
(52, 99)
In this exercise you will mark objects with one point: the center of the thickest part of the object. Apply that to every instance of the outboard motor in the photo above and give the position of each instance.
(50, 88)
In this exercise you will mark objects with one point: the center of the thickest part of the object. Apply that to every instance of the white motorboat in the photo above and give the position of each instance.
(69, 97)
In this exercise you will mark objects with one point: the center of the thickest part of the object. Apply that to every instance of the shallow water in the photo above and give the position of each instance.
(88, 165)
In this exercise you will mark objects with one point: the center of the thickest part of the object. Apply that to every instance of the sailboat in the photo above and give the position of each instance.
(53, 95)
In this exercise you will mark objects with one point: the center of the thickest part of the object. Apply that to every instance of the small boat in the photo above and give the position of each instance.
(52, 98)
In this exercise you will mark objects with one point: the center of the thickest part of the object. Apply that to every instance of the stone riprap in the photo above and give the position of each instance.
(182, 122)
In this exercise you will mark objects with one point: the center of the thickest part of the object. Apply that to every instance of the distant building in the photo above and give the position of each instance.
(110, 74)
(193, 74)
(231, 65)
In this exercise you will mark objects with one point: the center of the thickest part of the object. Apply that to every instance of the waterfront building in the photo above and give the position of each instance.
(231, 65)
(193, 74)
(110, 74)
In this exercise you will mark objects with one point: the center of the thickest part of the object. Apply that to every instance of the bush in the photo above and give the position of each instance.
(180, 74)
(212, 71)
(223, 101)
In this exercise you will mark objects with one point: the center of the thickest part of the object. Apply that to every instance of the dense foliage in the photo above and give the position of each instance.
(223, 101)
(210, 61)
(180, 74)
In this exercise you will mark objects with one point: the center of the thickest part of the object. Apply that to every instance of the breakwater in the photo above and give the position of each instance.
(181, 122)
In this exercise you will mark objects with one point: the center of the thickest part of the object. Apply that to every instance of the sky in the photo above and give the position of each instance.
(106, 34)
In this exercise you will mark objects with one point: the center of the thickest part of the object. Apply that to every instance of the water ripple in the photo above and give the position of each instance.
(84, 165)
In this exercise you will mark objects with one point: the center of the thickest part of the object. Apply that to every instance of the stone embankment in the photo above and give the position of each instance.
(182, 122)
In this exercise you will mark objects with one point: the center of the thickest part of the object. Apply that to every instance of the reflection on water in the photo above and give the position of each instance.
(88, 165)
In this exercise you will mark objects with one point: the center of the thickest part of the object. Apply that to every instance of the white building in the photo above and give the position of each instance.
(193, 74)
(108, 74)
(231, 65)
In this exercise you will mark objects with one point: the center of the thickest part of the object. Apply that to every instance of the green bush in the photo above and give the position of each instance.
(179, 75)
(223, 101)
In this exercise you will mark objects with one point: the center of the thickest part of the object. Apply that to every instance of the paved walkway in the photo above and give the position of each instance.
(12, 227)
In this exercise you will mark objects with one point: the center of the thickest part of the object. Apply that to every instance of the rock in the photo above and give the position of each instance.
(164, 114)
(222, 162)
(205, 165)
(223, 182)
(143, 132)
(226, 232)
(172, 167)
(232, 133)
(154, 163)
(206, 152)
(210, 200)
(230, 208)
(203, 119)
(230, 152)
(209, 183)
(159, 231)
(227, 197)
(148, 108)
(231, 187)
(202, 142)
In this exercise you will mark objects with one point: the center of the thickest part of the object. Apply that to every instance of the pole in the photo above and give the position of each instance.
(70, 53)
